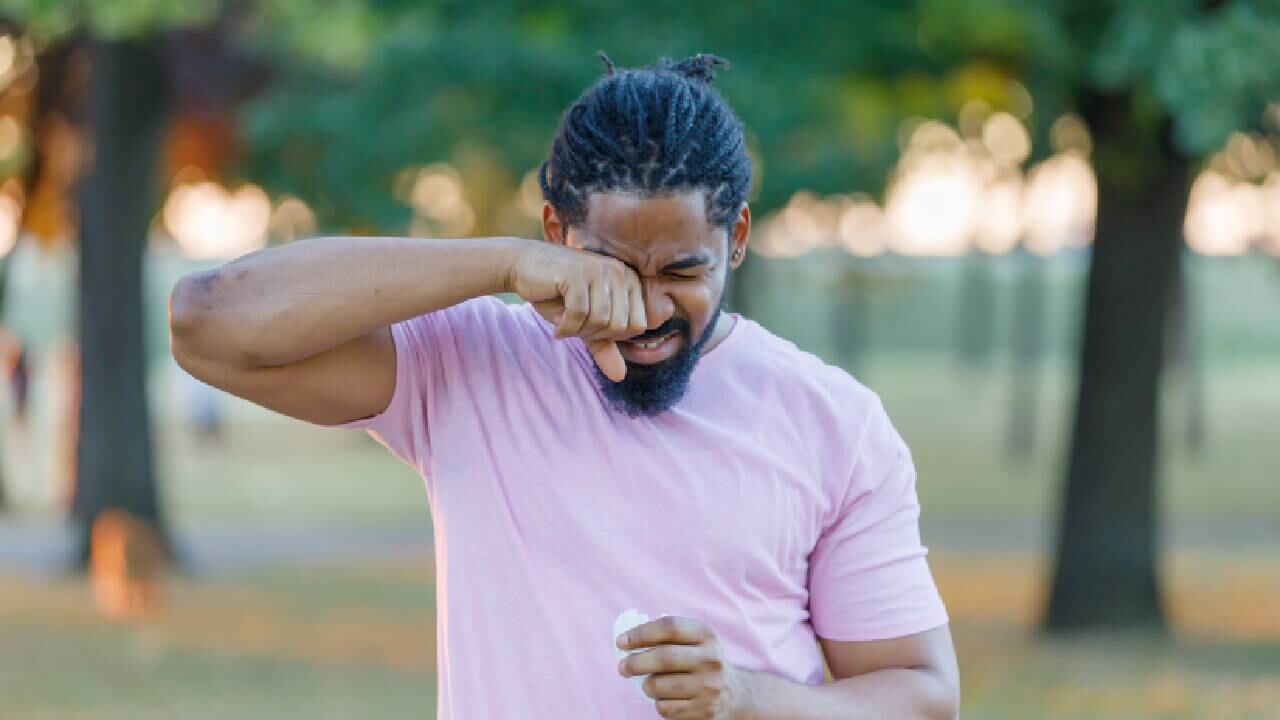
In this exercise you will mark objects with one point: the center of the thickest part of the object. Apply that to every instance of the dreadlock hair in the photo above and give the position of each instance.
(656, 129)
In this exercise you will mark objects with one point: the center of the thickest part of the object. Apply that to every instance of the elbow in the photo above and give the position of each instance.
(184, 307)
(191, 312)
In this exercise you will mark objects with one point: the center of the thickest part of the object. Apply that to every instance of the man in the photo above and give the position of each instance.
(616, 443)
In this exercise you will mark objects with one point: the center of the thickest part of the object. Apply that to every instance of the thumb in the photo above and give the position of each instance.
(608, 358)
(551, 310)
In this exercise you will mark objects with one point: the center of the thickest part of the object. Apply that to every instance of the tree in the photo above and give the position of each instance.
(1168, 87)
(127, 109)
(130, 94)
(1159, 84)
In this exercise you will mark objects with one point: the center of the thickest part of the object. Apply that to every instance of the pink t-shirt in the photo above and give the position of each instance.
(774, 502)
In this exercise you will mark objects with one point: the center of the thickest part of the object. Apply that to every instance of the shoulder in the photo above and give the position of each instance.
(841, 422)
(803, 381)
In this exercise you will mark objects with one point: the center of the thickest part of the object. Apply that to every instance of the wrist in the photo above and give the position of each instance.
(506, 252)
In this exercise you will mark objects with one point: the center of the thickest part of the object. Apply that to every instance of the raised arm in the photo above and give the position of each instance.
(303, 329)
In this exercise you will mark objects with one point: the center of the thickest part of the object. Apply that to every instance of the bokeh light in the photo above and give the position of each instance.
(292, 219)
(210, 222)
(931, 204)
(1270, 195)
(1223, 215)
(1060, 206)
(1069, 134)
(862, 229)
(1006, 139)
(999, 224)
(437, 196)
(10, 218)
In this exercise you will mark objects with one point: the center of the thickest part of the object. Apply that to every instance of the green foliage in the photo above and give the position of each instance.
(1218, 75)
(448, 79)
(50, 19)
(365, 88)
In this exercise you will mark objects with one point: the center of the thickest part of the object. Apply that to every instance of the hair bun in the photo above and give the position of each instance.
(701, 66)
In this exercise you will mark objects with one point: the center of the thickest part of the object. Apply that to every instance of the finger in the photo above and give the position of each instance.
(608, 358)
(638, 322)
(551, 310)
(675, 709)
(674, 686)
(620, 315)
(671, 629)
(576, 305)
(601, 309)
(663, 659)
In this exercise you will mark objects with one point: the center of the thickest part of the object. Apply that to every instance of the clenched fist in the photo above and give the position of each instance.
(590, 296)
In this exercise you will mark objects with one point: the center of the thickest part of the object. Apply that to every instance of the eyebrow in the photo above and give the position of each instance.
(684, 263)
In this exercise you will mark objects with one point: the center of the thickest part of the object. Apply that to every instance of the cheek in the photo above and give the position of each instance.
(696, 302)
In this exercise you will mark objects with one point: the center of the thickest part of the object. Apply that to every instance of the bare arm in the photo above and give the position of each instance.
(910, 677)
(303, 329)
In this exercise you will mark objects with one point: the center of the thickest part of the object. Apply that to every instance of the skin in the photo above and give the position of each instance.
(303, 329)
(680, 260)
(689, 679)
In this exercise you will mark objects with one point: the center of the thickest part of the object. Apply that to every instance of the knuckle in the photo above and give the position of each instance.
(666, 655)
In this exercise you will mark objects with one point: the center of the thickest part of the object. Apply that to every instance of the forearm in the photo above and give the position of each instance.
(891, 693)
(284, 304)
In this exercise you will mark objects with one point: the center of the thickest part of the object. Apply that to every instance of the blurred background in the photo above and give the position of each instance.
(1048, 234)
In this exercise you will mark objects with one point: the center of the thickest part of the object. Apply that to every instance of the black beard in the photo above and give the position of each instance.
(648, 390)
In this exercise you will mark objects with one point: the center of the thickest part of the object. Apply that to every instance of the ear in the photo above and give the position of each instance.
(553, 230)
(738, 237)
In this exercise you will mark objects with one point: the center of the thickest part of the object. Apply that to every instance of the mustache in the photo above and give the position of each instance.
(673, 324)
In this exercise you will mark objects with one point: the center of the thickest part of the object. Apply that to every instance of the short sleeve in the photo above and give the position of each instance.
(402, 426)
(868, 577)
(434, 351)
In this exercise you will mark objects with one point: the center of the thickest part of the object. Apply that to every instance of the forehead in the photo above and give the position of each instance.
(650, 228)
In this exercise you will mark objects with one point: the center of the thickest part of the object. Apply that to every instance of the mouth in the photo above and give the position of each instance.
(651, 350)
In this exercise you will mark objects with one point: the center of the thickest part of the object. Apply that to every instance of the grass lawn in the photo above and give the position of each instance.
(347, 641)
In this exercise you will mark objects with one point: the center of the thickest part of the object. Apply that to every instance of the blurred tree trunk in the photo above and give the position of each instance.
(1106, 570)
(975, 324)
(850, 316)
(128, 107)
(1183, 356)
(1028, 346)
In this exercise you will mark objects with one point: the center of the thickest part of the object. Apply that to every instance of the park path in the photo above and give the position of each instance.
(43, 544)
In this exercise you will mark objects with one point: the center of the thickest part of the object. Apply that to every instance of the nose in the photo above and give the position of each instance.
(657, 304)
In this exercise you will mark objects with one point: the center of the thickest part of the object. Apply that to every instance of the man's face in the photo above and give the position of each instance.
(683, 262)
